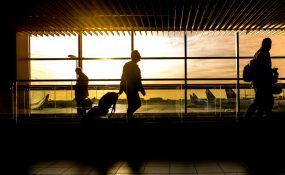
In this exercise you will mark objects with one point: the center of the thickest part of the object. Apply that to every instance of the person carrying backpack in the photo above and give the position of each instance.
(131, 83)
(263, 82)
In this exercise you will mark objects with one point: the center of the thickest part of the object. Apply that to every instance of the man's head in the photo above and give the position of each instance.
(266, 44)
(78, 70)
(135, 56)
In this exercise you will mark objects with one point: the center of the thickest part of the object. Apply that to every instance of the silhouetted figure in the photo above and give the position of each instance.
(131, 83)
(81, 91)
(263, 82)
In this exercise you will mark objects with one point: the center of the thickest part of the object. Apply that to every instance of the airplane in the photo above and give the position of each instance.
(47, 103)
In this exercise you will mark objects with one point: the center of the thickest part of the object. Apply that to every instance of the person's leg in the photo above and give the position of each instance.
(253, 107)
(251, 110)
(265, 101)
(260, 112)
(269, 105)
(259, 101)
(134, 103)
(80, 107)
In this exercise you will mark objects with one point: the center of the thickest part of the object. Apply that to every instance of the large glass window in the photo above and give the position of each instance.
(162, 69)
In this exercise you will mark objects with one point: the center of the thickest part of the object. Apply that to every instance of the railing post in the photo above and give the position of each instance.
(185, 71)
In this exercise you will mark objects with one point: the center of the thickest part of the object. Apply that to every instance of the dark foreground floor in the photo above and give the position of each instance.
(143, 147)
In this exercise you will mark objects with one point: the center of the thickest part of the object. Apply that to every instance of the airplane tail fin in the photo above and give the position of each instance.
(191, 98)
(230, 93)
(195, 96)
(194, 99)
(210, 95)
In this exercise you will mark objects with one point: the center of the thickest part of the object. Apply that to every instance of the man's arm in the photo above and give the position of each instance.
(140, 83)
(123, 82)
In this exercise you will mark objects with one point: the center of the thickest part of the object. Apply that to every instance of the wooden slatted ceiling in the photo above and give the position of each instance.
(68, 17)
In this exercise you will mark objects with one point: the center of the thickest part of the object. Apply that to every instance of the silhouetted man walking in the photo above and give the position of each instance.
(81, 91)
(263, 82)
(131, 83)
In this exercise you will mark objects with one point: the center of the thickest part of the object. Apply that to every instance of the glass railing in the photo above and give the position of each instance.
(207, 98)
(56, 99)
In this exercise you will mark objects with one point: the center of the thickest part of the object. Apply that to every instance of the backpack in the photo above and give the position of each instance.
(88, 103)
(106, 102)
(249, 71)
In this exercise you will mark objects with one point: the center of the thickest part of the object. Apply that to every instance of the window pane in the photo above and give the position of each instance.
(210, 44)
(103, 69)
(58, 102)
(211, 68)
(212, 97)
(53, 69)
(53, 47)
(163, 101)
(249, 44)
(106, 46)
(162, 68)
(159, 44)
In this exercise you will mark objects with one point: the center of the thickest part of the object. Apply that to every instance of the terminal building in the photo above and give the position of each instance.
(192, 117)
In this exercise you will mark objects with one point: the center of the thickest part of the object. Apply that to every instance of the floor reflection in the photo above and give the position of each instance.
(147, 167)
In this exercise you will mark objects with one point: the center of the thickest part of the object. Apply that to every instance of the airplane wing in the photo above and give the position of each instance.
(39, 104)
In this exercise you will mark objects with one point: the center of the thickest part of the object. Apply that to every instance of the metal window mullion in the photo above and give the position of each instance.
(132, 40)
(79, 61)
(237, 70)
(185, 72)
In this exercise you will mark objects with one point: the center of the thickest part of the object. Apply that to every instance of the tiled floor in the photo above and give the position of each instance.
(211, 148)
(64, 167)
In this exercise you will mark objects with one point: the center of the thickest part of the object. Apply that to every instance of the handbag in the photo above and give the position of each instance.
(276, 89)
(88, 103)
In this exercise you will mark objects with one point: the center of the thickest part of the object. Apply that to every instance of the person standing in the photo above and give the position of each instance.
(263, 82)
(131, 83)
(81, 91)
